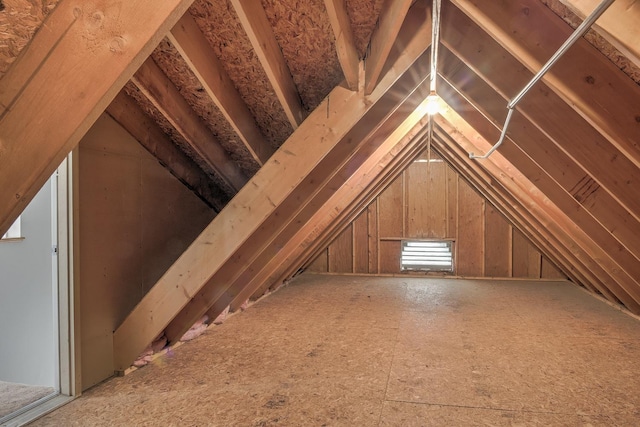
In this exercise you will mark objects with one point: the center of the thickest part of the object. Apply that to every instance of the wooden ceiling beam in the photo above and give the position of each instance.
(257, 26)
(345, 44)
(126, 111)
(342, 121)
(63, 80)
(553, 220)
(586, 79)
(194, 48)
(162, 93)
(618, 25)
(383, 37)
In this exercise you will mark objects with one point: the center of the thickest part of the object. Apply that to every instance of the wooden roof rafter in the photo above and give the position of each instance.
(34, 113)
(345, 44)
(162, 93)
(188, 39)
(619, 24)
(256, 24)
(341, 113)
(619, 270)
(383, 38)
(579, 78)
(554, 225)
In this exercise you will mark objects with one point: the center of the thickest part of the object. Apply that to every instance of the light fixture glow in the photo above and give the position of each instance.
(433, 104)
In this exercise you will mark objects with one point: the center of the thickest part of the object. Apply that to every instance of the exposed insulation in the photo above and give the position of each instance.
(599, 42)
(304, 33)
(172, 64)
(220, 25)
(19, 21)
(151, 111)
(363, 15)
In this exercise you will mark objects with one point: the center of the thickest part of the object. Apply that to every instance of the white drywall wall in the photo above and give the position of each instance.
(27, 324)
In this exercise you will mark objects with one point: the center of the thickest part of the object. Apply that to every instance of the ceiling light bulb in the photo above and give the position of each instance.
(433, 104)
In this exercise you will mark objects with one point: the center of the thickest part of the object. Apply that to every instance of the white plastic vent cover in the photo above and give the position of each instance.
(427, 255)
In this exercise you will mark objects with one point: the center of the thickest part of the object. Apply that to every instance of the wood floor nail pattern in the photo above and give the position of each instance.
(364, 351)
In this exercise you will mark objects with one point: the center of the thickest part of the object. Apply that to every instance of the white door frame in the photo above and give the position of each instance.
(68, 307)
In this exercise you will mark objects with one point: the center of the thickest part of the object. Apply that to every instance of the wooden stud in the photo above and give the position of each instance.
(257, 26)
(162, 93)
(194, 48)
(345, 45)
(41, 122)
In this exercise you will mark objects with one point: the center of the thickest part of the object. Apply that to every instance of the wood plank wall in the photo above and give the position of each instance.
(430, 200)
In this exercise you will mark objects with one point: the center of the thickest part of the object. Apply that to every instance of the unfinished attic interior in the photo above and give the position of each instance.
(225, 212)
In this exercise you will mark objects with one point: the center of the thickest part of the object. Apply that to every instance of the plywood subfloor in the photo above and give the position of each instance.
(329, 350)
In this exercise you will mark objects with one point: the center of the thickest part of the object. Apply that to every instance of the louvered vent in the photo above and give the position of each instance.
(422, 255)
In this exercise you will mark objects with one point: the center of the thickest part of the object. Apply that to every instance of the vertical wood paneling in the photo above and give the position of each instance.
(550, 271)
(360, 244)
(470, 232)
(497, 244)
(526, 259)
(417, 200)
(391, 210)
(430, 200)
(341, 252)
(390, 256)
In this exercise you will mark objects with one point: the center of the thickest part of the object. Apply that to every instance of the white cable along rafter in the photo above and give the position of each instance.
(432, 99)
(586, 24)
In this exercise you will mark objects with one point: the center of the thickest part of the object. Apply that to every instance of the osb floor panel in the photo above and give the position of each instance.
(346, 350)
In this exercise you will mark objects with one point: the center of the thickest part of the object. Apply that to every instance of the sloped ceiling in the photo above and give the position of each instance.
(287, 117)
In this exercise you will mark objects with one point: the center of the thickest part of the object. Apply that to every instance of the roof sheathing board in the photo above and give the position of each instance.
(223, 30)
(151, 111)
(174, 67)
(596, 40)
(304, 33)
(19, 21)
(363, 15)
